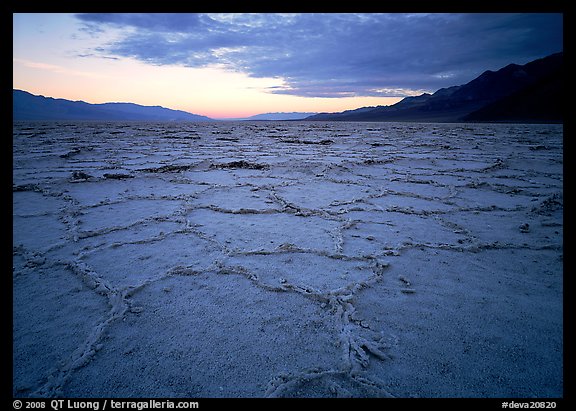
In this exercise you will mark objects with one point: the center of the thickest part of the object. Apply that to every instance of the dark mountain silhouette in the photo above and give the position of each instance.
(27, 106)
(541, 101)
(531, 92)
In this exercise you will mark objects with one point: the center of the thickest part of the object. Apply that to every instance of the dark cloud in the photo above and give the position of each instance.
(334, 55)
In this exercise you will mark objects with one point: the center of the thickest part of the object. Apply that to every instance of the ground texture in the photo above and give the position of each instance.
(287, 260)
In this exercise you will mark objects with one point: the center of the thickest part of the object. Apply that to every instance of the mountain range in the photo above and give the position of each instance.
(532, 92)
(27, 106)
(276, 116)
(516, 93)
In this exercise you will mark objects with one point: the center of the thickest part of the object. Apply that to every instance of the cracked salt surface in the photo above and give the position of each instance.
(287, 260)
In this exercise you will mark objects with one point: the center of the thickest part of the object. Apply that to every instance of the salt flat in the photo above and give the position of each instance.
(287, 259)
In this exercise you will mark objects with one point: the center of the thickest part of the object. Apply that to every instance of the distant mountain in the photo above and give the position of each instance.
(532, 92)
(28, 106)
(276, 116)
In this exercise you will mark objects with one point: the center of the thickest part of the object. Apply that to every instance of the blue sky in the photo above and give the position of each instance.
(228, 65)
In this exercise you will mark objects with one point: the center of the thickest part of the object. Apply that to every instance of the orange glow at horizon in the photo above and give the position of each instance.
(211, 92)
(48, 60)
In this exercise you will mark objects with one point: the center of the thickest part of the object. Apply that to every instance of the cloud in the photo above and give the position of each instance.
(56, 68)
(335, 55)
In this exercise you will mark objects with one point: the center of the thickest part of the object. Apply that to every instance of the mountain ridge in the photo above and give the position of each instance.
(27, 106)
(274, 116)
(532, 92)
(488, 97)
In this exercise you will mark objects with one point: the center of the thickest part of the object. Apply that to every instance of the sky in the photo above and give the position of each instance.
(238, 65)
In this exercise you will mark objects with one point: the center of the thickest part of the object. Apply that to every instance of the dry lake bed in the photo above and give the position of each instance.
(287, 259)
